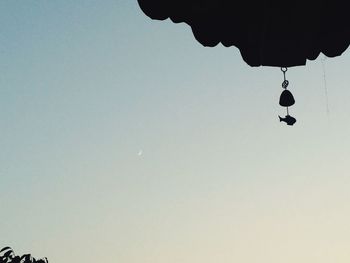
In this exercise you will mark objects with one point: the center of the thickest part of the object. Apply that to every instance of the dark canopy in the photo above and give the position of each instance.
(267, 32)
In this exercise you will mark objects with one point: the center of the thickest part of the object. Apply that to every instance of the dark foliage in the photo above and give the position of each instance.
(7, 255)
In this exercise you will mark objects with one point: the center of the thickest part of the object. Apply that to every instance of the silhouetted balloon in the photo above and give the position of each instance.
(269, 32)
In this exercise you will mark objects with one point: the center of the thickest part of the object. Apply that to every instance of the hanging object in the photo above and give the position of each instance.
(267, 33)
(286, 100)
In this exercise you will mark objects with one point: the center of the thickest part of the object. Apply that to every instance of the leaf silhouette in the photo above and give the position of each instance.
(26, 258)
(5, 248)
(8, 254)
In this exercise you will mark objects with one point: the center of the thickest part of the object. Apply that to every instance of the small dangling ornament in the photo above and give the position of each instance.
(286, 100)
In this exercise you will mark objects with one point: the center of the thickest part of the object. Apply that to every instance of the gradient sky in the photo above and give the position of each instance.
(122, 139)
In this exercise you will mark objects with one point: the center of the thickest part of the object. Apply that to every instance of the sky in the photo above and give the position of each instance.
(122, 139)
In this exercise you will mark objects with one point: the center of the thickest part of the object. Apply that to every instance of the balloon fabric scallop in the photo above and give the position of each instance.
(267, 32)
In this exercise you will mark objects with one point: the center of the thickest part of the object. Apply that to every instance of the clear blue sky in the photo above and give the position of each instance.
(124, 140)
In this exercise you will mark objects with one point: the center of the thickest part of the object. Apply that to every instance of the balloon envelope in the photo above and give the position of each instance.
(267, 32)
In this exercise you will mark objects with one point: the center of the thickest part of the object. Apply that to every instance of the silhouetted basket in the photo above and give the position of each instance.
(287, 99)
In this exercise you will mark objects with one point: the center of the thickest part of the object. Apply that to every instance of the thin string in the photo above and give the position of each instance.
(325, 83)
(285, 82)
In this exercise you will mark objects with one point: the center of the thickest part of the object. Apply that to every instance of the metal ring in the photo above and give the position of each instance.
(284, 69)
